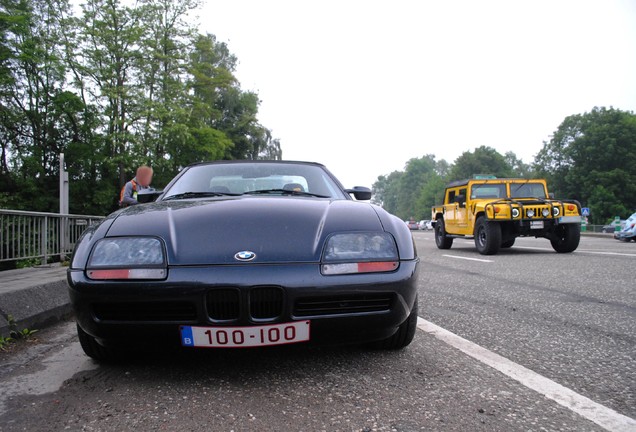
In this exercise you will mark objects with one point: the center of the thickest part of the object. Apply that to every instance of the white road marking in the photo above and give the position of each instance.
(469, 259)
(603, 416)
(579, 251)
(604, 253)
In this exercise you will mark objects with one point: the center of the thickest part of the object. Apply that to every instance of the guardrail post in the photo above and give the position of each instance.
(44, 237)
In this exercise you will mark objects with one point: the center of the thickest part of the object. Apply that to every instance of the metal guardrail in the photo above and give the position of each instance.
(30, 235)
(596, 229)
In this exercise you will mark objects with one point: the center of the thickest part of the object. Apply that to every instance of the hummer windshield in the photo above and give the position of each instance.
(527, 190)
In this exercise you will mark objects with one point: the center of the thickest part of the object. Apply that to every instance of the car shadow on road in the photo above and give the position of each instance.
(470, 250)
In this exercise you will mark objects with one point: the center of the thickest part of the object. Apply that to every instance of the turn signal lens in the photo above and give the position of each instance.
(497, 209)
(570, 207)
(111, 274)
(361, 267)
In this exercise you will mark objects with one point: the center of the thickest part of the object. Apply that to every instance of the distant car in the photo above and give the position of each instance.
(413, 225)
(241, 254)
(611, 227)
(426, 225)
(629, 230)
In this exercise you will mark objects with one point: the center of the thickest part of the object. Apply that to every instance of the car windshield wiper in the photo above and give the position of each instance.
(519, 186)
(186, 195)
(284, 192)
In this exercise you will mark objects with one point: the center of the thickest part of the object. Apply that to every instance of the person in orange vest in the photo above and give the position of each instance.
(128, 194)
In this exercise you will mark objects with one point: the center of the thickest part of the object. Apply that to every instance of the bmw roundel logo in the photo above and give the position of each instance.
(245, 256)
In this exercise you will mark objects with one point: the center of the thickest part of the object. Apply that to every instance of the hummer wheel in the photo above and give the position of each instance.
(441, 240)
(566, 238)
(487, 236)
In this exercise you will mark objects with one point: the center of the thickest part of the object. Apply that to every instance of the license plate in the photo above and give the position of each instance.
(570, 219)
(238, 337)
(536, 224)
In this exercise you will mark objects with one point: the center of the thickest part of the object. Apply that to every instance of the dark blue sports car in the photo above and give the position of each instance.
(239, 254)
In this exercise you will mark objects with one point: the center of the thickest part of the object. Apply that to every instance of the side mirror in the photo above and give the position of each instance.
(148, 195)
(551, 195)
(360, 193)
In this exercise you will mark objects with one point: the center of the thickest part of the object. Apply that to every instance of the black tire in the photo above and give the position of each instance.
(566, 238)
(487, 236)
(508, 244)
(405, 333)
(441, 240)
(94, 350)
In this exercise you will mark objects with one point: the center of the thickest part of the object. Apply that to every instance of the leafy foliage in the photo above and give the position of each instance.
(484, 160)
(115, 86)
(411, 193)
(15, 334)
(591, 157)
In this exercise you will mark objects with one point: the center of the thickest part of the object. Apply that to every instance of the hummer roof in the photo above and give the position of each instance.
(490, 180)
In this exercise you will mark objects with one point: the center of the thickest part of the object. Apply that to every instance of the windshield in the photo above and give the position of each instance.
(488, 191)
(527, 190)
(250, 178)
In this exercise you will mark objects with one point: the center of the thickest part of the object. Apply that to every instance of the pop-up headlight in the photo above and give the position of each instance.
(363, 252)
(127, 258)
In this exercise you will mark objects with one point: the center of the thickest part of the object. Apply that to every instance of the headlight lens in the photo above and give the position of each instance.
(545, 212)
(360, 253)
(127, 258)
(530, 213)
(515, 212)
(556, 211)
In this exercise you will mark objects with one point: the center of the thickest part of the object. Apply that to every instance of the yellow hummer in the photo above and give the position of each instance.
(496, 211)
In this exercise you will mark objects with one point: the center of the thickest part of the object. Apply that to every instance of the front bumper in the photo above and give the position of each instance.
(536, 227)
(342, 309)
(621, 235)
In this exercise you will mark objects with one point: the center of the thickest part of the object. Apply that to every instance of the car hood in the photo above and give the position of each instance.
(276, 229)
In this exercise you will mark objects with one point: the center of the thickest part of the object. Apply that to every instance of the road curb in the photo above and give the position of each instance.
(36, 306)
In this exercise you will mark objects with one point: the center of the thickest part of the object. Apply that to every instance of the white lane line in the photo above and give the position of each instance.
(579, 251)
(604, 253)
(603, 416)
(466, 258)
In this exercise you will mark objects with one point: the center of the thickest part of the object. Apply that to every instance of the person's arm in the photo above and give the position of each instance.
(128, 192)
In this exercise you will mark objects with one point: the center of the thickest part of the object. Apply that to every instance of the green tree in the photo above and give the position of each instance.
(484, 160)
(109, 49)
(519, 168)
(115, 86)
(591, 157)
(385, 191)
(34, 119)
(410, 193)
(431, 194)
(163, 73)
(416, 172)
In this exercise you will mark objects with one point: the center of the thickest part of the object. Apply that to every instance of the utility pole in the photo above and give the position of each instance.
(63, 221)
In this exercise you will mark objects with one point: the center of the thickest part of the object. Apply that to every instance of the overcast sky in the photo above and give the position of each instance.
(364, 86)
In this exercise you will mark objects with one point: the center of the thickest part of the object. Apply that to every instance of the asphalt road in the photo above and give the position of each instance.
(570, 318)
